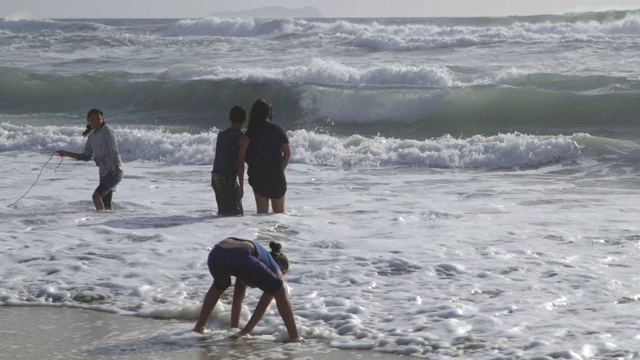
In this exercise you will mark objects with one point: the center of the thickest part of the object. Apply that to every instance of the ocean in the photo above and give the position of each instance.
(458, 188)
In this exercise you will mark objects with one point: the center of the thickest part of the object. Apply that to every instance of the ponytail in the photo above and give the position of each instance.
(87, 130)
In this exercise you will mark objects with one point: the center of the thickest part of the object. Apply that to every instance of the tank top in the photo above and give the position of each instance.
(226, 157)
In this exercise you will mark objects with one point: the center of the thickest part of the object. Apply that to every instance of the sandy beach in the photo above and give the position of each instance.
(44, 332)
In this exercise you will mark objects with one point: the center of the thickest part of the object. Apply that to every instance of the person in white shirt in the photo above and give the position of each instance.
(102, 147)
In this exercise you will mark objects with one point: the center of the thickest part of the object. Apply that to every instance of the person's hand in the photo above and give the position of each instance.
(61, 152)
(240, 193)
(118, 169)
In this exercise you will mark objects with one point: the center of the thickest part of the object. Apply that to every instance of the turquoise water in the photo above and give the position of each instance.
(405, 78)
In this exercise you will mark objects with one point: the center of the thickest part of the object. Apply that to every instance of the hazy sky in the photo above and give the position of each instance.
(329, 8)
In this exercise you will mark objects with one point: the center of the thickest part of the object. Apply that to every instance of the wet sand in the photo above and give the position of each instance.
(45, 332)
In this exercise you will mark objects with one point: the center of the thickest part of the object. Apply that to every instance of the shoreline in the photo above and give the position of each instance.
(47, 332)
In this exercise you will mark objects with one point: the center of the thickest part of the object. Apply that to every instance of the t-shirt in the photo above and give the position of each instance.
(265, 148)
(226, 156)
(103, 148)
(265, 257)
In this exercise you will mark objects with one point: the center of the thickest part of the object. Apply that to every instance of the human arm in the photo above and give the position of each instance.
(239, 290)
(284, 308)
(284, 144)
(112, 149)
(286, 312)
(85, 155)
(286, 152)
(258, 313)
(243, 144)
(66, 153)
(209, 303)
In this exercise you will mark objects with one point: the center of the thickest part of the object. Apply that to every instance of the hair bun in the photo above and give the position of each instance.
(275, 247)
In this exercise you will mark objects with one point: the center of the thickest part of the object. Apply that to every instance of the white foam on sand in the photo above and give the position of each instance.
(411, 261)
(44, 332)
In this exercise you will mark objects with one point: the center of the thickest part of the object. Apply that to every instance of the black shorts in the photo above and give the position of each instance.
(225, 262)
(268, 182)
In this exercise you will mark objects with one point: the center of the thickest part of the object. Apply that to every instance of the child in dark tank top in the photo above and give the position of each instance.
(227, 177)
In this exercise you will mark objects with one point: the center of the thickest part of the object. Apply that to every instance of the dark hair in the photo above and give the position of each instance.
(237, 114)
(91, 112)
(95, 111)
(260, 113)
(87, 130)
(279, 257)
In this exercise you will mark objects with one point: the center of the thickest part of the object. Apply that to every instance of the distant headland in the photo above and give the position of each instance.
(271, 12)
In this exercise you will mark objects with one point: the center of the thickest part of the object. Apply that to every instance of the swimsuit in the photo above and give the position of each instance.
(252, 269)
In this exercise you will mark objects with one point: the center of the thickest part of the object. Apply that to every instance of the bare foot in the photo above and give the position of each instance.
(299, 339)
(199, 329)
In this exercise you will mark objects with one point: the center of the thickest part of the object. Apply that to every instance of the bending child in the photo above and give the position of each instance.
(102, 147)
(254, 266)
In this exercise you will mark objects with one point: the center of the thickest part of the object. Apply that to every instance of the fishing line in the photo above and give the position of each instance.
(38, 178)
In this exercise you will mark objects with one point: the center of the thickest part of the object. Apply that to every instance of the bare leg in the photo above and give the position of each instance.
(97, 201)
(262, 204)
(239, 291)
(106, 200)
(210, 301)
(278, 205)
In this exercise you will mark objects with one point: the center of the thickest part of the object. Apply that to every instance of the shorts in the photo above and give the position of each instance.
(108, 182)
(268, 182)
(226, 189)
(238, 261)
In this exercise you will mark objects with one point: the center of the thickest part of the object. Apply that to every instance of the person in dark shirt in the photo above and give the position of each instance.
(227, 177)
(252, 265)
(268, 155)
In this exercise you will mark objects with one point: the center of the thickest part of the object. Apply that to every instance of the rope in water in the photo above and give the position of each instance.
(15, 204)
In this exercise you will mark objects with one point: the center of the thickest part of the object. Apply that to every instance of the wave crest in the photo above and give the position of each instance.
(381, 34)
(213, 26)
(323, 72)
(486, 152)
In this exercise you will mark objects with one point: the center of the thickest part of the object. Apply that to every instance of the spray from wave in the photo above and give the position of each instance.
(503, 151)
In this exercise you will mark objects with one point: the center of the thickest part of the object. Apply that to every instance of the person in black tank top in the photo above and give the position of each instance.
(227, 177)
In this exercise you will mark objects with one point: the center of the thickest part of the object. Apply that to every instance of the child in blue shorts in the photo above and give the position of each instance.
(102, 147)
